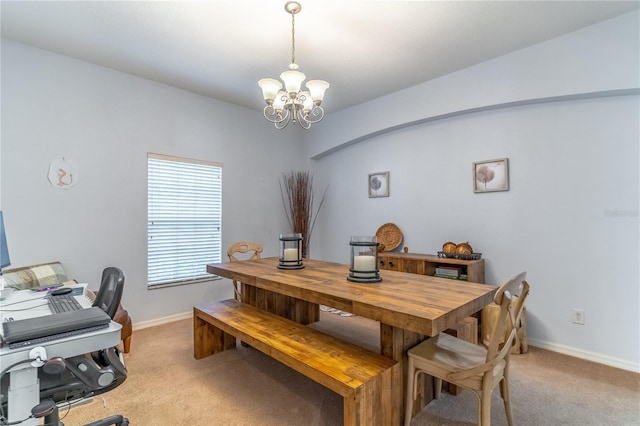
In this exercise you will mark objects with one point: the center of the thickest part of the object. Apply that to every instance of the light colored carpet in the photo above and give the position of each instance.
(167, 386)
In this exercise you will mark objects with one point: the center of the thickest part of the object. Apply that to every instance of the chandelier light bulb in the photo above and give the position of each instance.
(292, 82)
(281, 98)
(317, 88)
(270, 88)
(307, 101)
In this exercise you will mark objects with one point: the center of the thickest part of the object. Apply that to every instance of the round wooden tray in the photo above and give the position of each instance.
(389, 236)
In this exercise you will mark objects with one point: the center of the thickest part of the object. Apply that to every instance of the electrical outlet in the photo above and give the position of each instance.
(577, 316)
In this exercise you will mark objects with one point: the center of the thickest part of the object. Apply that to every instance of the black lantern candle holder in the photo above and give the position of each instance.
(290, 251)
(364, 260)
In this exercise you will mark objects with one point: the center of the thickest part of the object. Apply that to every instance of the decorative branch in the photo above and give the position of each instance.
(298, 196)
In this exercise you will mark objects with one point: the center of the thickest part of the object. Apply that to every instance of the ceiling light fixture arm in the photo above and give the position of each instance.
(294, 110)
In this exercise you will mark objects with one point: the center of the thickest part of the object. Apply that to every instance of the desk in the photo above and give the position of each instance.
(408, 306)
(24, 392)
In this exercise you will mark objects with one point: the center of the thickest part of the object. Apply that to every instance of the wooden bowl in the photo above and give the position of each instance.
(464, 248)
(449, 247)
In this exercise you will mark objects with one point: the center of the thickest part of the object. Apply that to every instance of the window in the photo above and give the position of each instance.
(184, 229)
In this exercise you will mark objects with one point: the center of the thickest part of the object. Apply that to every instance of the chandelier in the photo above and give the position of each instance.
(293, 104)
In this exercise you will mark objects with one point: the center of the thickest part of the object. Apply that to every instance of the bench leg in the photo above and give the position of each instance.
(208, 339)
(375, 402)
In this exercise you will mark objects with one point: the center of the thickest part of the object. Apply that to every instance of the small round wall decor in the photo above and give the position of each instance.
(63, 173)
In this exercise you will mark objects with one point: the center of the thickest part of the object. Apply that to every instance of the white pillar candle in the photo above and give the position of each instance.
(364, 264)
(291, 254)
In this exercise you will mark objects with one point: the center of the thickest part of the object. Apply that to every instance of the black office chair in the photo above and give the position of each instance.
(87, 375)
(110, 292)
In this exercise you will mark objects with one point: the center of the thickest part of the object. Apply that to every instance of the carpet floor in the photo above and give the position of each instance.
(167, 386)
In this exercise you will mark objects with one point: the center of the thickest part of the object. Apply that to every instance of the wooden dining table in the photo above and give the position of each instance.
(409, 307)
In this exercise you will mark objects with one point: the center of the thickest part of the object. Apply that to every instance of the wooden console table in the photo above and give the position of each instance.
(425, 264)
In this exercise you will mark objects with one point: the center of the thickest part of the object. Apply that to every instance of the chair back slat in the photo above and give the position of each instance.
(510, 297)
(242, 247)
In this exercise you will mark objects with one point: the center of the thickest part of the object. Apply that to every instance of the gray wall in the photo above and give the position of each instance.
(570, 218)
(106, 122)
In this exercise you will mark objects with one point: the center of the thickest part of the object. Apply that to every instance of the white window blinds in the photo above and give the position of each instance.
(184, 219)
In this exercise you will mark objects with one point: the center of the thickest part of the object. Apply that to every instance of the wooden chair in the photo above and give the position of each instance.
(235, 253)
(470, 366)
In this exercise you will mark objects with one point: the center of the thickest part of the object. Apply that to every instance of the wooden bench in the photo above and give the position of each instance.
(363, 378)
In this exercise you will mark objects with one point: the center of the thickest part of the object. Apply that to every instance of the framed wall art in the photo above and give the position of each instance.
(491, 175)
(379, 184)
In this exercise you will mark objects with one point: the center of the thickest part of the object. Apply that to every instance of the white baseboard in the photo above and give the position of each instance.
(163, 320)
(589, 356)
(578, 353)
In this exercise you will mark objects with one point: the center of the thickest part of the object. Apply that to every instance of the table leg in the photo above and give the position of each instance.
(394, 343)
(289, 307)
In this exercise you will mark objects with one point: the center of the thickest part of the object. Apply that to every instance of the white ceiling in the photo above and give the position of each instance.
(365, 49)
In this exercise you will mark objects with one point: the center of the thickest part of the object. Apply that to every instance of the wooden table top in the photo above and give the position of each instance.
(418, 303)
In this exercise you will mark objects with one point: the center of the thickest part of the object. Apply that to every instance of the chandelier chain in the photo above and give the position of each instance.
(293, 38)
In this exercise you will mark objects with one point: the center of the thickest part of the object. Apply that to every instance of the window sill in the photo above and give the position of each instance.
(182, 282)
